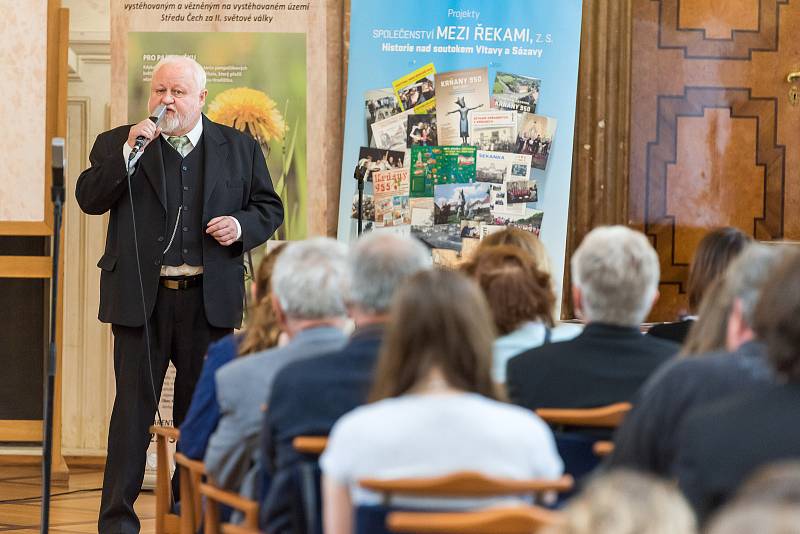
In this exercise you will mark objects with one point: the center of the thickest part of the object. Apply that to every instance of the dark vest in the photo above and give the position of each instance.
(184, 177)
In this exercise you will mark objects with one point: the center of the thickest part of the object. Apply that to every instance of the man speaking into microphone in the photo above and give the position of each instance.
(201, 195)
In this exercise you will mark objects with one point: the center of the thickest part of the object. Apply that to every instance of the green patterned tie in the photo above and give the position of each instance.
(181, 144)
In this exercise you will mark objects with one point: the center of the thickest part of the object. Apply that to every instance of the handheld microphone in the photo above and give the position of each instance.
(141, 140)
(57, 162)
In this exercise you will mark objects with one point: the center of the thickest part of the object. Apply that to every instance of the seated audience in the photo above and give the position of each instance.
(647, 438)
(433, 407)
(615, 282)
(768, 503)
(521, 299)
(719, 445)
(308, 396)
(713, 255)
(309, 286)
(626, 502)
(262, 333)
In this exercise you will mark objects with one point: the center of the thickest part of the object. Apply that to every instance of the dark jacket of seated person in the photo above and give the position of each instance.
(605, 364)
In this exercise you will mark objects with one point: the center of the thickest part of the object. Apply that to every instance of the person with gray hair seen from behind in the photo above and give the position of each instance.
(310, 395)
(310, 284)
(647, 438)
(615, 282)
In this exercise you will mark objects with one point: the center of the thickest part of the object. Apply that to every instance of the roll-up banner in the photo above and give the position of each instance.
(460, 119)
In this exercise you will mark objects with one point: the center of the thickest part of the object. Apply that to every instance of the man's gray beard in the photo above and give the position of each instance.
(170, 125)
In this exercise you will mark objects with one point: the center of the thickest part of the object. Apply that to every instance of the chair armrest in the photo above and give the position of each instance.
(310, 444)
(165, 432)
(234, 500)
(516, 520)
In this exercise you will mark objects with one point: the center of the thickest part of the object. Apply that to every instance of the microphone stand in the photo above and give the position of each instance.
(360, 203)
(57, 195)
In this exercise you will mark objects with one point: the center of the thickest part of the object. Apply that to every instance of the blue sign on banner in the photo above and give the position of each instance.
(460, 119)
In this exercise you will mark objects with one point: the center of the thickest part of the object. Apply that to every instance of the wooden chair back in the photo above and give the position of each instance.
(191, 473)
(603, 448)
(166, 521)
(465, 484)
(610, 416)
(216, 496)
(314, 445)
(515, 520)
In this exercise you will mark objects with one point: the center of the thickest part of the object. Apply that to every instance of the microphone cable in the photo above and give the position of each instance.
(130, 171)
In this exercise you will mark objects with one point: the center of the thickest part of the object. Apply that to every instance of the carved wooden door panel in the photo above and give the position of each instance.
(715, 138)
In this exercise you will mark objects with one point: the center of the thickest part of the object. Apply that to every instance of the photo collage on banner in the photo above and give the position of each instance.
(462, 110)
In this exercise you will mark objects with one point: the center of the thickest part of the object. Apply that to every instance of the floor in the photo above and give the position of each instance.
(73, 509)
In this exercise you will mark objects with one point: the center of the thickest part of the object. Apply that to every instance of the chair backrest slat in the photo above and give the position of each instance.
(610, 416)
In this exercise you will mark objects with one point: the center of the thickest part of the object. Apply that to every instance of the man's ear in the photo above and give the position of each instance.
(280, 316)
(577, 301)
(738, 331)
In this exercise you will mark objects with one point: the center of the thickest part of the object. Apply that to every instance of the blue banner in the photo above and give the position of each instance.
(476, 98)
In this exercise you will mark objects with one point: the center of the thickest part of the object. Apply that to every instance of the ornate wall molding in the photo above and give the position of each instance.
(741, 45)
(664, 151)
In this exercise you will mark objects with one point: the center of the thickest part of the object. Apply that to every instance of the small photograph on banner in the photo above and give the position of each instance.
(367, 207)
(458, 166)
(514, 92)
(521, 191)
(392, 211)
(379, 104)
(535, 135)
(494, 131)
(470, 229)
(371, 160)
(497, 167)
(417, 90)
(460, 93)
(529, 221)
(455, 202)
(391, 182)
(446, 236)
(391, 133)
(422, 131)
(426, 164)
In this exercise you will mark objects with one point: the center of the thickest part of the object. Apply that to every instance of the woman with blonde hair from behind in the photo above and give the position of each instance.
(627, 502)
(433, 406)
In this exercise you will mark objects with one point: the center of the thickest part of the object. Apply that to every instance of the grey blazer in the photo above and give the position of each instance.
(243, 387)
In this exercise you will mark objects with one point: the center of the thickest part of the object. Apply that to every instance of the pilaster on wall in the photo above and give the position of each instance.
(599, 193)
(88, 374)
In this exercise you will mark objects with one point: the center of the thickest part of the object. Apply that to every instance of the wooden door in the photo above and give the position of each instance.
(714, 137)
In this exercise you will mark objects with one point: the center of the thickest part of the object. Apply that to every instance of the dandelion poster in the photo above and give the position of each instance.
(257, 84)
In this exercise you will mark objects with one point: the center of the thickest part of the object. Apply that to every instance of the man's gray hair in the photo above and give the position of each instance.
(379, 263)
(746, 275)
(310, 279)
(185, 61)
(617, 272)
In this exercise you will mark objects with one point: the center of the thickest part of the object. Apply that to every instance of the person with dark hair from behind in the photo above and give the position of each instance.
(713, 255)
(434, 408)
(647, 438)
(262, 333)
(615, 282)
(309, 396)
(719, 445)
(521, 299)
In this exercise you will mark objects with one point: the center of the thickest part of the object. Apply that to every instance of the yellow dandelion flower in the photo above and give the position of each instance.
(248, 110)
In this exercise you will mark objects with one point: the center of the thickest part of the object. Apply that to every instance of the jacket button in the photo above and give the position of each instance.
(186, 251)
(185, 168)
(185, 228)
(160, 238)
(156, 262)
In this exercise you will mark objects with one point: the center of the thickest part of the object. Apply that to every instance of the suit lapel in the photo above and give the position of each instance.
(152, 163)
(216, 159)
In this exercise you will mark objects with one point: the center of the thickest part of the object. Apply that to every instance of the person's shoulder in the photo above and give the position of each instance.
(542, 353)
(510, 416)
(247, 365)
(660, 345)
(298, 371)
(229, 133)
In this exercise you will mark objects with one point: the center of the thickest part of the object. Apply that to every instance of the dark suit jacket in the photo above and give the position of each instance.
(603, 365)
(236, 183)
(676, 331)
(307, 398)
(647, 440)
(721, 444)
